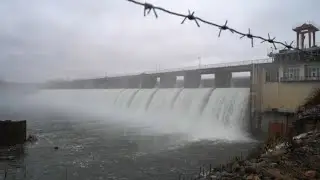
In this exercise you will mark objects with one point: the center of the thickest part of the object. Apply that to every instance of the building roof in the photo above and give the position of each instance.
(306, 26)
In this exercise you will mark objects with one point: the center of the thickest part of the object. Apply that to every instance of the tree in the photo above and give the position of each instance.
(311, 101)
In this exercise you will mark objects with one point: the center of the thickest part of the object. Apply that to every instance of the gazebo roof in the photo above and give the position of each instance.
(306, 26)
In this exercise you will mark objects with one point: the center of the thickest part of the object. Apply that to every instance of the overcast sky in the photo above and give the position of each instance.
(68, 39)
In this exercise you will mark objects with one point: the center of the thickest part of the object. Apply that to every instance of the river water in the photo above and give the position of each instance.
(127, 134)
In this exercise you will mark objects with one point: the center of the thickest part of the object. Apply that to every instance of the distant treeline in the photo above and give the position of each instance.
(14, 88)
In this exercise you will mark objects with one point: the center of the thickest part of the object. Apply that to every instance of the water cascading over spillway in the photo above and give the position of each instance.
(201, 113)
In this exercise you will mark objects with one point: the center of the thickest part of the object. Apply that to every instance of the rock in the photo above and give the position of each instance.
(276, 173)
(226, 174)
(31, 138)
(217, 174)
(260, 160)
(56, 148)
(242, 171)
(279, 152)
(260, 164)
(213, 177)
(275, 155)
(235, 167)
(250, 170)
(266, 178)
(253, 177)
(273, 165)
(253, 160)
(301, 136)
(248, 163)
(302, 154)
(310, 174)
(256, 165)
(299, 141)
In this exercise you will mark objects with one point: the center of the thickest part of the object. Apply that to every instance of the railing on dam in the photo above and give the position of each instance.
(220, 65)
(205, 66)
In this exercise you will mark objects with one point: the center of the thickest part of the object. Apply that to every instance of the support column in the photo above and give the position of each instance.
(302, 40)
(309, 34)
(314, 38)
(113, 83)
(147, 81)
(297, 39)
(101, 83)
(192, 79)
(168, 81)
(133, 82)
(223, 79)
(256, 93)
(123, 82)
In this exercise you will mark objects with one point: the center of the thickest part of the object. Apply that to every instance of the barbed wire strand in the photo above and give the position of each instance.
(190, 16)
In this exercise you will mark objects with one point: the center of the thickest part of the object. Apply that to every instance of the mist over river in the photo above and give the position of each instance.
(127, 133)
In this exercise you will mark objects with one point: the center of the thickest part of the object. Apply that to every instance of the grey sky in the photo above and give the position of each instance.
(68, 39)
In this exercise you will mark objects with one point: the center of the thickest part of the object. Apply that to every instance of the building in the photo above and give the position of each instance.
(290, 78)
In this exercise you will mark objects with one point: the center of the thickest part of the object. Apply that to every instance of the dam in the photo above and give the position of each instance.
(150, 87)
(272, 82)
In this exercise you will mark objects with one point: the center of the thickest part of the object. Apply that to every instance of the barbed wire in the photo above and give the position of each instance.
(190, 16)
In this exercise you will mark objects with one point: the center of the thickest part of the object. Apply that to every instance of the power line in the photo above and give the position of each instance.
(190, 16)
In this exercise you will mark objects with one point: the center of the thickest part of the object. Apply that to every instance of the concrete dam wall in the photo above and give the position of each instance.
(167, 82)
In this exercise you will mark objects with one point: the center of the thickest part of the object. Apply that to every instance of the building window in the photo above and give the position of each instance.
(268, 76)
(292, 73)
(312, 72)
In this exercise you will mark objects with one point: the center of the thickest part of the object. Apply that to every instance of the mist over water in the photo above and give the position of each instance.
(196, 114)
(129, 133)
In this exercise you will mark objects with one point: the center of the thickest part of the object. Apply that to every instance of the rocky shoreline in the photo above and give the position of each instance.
(291, 158)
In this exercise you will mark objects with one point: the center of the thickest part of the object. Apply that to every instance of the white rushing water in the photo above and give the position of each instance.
(202, 113)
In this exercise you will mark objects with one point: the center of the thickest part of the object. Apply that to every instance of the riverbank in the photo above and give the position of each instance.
(295, 158)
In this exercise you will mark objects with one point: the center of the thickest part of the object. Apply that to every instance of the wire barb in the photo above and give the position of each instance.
(271, 41)
(148, 7)
(191, 17)
(288, 46)
(249, 35)
(225, 27)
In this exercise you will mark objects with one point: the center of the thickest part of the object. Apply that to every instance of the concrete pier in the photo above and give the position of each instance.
(113, 83)
(256, 91)
(101, 83)
(148, 81)
(12, 132)
(133, 82)
(168, 81)
(192, 79)
(123, 82)
(223, 79)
